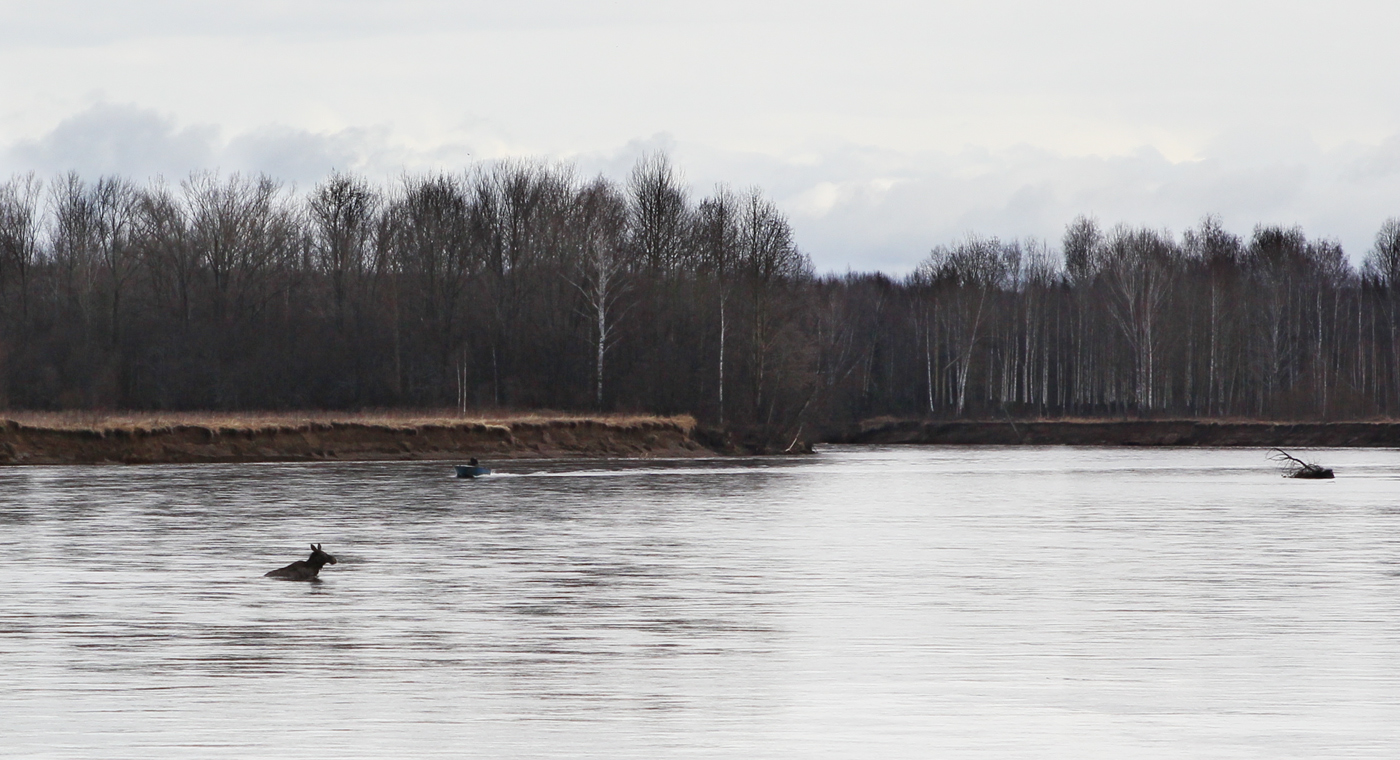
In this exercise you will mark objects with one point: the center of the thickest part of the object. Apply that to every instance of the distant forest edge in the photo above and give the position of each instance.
(520, 285)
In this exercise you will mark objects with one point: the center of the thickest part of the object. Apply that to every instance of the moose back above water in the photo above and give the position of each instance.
(304, 569)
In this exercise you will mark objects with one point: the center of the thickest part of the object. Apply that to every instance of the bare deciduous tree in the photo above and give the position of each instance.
(602, 267)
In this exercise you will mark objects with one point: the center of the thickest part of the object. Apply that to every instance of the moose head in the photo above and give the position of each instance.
(318, 557)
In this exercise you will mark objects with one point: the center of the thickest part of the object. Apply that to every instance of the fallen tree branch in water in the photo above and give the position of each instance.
(1297, 468)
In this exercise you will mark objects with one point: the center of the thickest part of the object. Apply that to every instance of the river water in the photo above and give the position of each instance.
(866, 602)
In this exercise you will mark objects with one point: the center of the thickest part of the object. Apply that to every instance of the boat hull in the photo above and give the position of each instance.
(468, 471)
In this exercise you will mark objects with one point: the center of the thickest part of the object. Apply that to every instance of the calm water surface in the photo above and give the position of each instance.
(867, 602)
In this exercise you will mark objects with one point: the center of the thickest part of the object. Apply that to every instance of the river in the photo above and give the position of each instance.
(865, 602)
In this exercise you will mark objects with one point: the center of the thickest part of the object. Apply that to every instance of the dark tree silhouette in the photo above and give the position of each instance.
(521, 284)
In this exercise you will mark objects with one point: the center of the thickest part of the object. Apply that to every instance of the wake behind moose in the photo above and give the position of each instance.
(304, 570)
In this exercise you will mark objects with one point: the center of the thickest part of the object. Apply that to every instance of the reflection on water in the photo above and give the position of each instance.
(865, 602)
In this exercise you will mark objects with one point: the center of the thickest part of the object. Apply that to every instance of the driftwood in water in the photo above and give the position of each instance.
(1296, 468)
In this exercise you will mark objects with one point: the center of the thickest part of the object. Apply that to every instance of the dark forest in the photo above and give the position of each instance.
(522, 285)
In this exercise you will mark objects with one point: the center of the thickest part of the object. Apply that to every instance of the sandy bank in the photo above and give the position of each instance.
(1126, 433)
(34, 439)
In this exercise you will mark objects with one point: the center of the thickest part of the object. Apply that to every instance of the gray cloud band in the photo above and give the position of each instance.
(852, 206)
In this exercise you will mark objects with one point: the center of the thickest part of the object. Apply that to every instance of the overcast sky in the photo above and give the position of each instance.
(882, 127)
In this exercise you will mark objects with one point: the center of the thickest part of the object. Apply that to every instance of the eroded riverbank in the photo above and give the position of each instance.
(260, 438)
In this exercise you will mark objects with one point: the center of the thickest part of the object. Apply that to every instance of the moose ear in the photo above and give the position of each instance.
(313, 547)
(318, 547)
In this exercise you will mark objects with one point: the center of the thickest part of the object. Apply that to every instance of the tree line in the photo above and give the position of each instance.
(523, 285)
(1135, 321)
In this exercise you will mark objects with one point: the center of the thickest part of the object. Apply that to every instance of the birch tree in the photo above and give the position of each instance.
(769, 260)
(969, 271)
(1139, 267)
(1381, 266)
(601, 268)
(717, 230)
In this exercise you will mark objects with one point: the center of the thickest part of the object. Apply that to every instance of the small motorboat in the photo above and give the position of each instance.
(472, 471)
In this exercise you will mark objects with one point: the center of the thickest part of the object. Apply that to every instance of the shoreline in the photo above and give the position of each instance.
(193, 438)
(1163, 433)
(190, 439)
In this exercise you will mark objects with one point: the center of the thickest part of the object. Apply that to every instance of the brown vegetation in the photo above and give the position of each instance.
(73, 438)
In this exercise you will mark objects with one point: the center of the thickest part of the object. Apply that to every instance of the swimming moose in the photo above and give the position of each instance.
(304, 570)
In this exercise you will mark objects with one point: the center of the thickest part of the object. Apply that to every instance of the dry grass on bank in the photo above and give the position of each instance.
(139, 420)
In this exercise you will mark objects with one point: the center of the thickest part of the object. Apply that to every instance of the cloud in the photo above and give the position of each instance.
(108, 138)
(884, 210)
(304, 158)
(852, 206)
(83, 22)
(142, 143)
